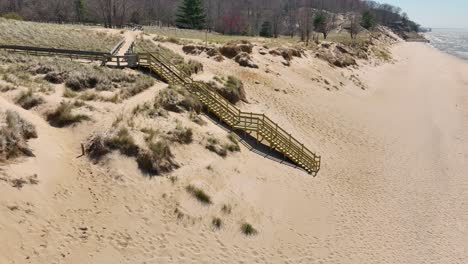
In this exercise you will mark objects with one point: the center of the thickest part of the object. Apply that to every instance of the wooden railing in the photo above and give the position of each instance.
(117, 47)
(49, 52)
(261, 125)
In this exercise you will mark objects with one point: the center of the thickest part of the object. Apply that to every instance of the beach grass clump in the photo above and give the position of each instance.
(177, 99)
(215, 145)
(227, 209)
(191, 67)
(97, 147)
(182, 135)
(68, 93)
(14, 134)
(217, 222)
(157, 159)
(142, 83)
(154, 159)
(63, 116)
(81, 80)
(173, 40)
(6, 87)
(382, 54)
(124, 142)
(199, 194)
(248, 230)
(196, 118)
(230, 88)
(28, 99)
(233, 145)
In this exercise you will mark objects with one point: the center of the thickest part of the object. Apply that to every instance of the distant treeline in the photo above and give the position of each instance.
(288, 17)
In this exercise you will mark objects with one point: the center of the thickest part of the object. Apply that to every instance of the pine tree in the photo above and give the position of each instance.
(266, 30)
(191, 15)
(368, 20)
(80, 10)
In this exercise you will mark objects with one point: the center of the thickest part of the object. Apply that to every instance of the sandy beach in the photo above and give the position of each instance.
(393, 187)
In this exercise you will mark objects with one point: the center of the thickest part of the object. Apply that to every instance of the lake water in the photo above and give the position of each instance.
(452, 41)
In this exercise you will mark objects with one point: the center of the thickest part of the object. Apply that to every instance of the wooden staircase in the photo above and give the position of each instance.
(258, 125)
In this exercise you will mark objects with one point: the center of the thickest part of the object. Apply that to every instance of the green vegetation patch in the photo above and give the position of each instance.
(199, 194)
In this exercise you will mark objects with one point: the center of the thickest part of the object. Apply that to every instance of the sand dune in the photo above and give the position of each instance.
(392, 188)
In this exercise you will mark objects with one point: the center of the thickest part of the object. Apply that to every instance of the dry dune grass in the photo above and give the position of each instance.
(84, 81)
(182, 36)
(13, 32)
(14, 134)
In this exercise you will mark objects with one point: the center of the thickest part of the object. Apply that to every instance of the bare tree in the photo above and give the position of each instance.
(354, 26)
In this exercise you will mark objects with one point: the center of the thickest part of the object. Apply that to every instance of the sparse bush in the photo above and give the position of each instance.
(234, 144)
(248, 229)
(137, 87)
(14, 136)
(217, 222)
(150, 134)
(97, 148)
(28, 99)
(232, 89)
(68, 93)
(199, 194)
(183, 135)
(227, 209)
(213, 145)
(123, 142)
(20, 182)
(382, 54)
(56, 77)
(176, 99)
(190, 68)
(88, 96)
(222, 149)
(157, 160)
(196, 118)
(78, 81)
(6, 87)
(63, 116)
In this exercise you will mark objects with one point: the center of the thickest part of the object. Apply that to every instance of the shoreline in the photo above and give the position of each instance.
(392, 188)
(430, 37)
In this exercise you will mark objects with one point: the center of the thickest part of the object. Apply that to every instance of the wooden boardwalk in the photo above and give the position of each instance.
(258, 125)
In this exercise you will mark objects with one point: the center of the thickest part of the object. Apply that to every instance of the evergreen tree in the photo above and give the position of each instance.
(266, 30)
(191, 15)
(80, 10)
(368, 20)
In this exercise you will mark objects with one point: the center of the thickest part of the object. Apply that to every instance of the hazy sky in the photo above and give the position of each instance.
(435, 13)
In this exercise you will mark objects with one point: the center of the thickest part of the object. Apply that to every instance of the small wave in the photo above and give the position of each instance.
(454, 42)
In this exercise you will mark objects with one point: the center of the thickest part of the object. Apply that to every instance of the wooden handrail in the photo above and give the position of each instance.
(233, 116)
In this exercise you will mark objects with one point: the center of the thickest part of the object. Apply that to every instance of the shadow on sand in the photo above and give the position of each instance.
(253, 145)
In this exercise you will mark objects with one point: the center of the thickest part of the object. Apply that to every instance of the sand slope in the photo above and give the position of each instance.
(392, 188)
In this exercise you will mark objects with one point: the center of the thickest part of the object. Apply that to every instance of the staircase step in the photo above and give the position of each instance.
(217, 106)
